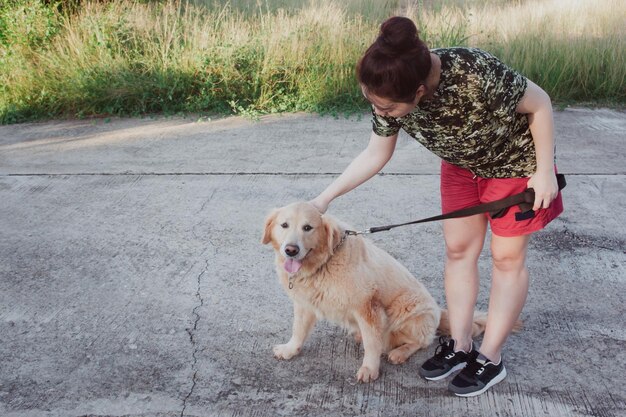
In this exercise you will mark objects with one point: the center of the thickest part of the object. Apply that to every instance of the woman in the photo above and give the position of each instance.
(493, 130)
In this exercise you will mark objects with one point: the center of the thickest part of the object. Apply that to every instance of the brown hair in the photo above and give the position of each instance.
(397, 63)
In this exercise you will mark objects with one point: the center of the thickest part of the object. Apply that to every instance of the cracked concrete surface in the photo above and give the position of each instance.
(191, 332)
(133, 282)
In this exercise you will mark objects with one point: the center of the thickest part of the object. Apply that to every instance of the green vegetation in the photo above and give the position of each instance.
(79, 59)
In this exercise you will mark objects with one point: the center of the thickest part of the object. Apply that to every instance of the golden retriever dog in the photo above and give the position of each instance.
(349, 281)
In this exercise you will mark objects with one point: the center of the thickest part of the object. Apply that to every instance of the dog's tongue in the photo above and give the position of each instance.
(292, 265)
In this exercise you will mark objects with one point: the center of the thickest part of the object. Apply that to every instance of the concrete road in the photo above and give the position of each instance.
(133, 281)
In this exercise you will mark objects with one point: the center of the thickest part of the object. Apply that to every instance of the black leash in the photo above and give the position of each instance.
(496, 209)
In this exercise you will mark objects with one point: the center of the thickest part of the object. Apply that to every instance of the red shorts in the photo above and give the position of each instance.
(460, 189)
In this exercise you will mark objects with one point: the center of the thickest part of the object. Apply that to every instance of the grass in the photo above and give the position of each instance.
(254, 57)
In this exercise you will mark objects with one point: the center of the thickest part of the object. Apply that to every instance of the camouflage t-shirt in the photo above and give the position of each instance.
(471, 120)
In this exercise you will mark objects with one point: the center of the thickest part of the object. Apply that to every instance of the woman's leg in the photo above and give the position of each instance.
(464, 240)
(509, 288)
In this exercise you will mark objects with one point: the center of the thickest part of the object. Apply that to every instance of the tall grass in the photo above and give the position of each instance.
(575, 49)
(252, 56)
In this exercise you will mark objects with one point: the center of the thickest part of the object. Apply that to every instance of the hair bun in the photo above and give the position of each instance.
(397, 63)
(398, 35)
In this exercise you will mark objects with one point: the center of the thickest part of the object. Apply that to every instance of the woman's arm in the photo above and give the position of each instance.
(367, 164)
(537, 106)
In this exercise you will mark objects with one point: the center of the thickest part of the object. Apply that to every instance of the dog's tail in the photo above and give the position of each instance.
(478, 325)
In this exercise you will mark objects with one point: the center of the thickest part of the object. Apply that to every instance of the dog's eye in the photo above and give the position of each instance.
(284, 225)
(307, 228)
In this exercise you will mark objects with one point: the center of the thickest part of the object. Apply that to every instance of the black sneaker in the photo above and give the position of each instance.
(445, 361)
(479, 375)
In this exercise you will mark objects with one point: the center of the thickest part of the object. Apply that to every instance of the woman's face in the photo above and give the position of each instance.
(386, 107)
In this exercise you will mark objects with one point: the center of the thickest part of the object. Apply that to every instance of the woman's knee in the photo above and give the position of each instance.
(507, 261)
(506, 264)
(458, 250)
(464, 238)
(509, 254)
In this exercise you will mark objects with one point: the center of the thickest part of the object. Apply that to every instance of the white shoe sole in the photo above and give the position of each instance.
(451, 371)
(494, 381)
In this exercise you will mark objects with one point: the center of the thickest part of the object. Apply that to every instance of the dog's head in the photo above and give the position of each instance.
(301, 236)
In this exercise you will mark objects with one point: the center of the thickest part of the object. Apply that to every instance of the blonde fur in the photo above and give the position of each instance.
(355, 284)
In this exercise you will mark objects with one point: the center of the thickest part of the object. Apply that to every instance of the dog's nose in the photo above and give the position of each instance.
(292, 250)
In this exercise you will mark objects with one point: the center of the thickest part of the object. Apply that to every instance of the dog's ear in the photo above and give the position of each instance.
(269, 223)
(333, 232)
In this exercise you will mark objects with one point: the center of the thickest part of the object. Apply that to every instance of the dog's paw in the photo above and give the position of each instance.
(285, 351)
(366, 374)
(397, 356)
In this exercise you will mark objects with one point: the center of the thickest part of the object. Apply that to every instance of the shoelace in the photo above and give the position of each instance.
(444, 349)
